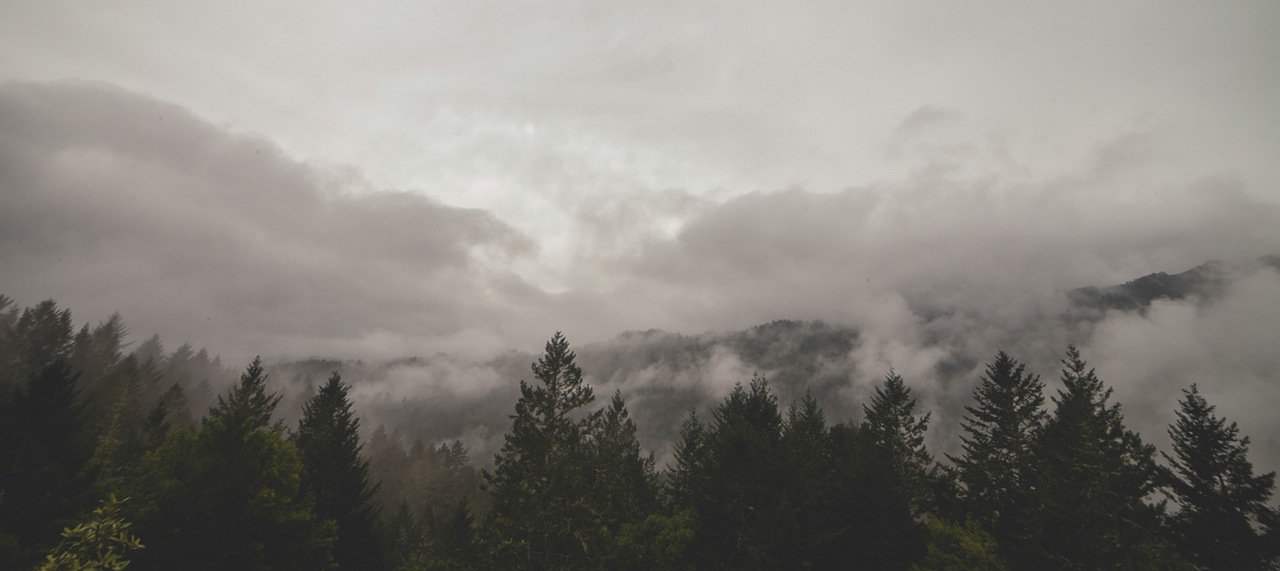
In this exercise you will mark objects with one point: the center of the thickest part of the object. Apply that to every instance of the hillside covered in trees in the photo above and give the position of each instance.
(112, 452)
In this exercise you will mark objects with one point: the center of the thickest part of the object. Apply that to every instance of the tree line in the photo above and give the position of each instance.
(104, 464)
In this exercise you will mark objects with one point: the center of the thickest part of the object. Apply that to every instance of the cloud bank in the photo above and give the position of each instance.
(116, 201)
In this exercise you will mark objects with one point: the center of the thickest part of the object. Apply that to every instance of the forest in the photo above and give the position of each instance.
(116, 455)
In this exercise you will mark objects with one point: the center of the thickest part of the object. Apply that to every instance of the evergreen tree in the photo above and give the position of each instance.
(868, 520)
(1000, 431)
(731, 474)
(230, 495)
(177, 413)
(891, 424)
(625, 482)
(328, 441)
(1091, 479)
(808, 459)
(44, 460)
(40, 336)
(150, 350)
(248, 406)
(122, 433)
(685, 479)
(541, 518)
(1223, 503)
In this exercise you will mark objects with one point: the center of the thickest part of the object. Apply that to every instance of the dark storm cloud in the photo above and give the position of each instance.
(114, 201)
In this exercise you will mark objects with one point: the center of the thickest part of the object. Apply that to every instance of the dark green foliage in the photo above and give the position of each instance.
(44, 476)
(1223, 504)
(567, 480)
(891, 425)
(1000, 432)
(1091, 480)
(959, 547)
(625, 484)
(41, 336)
(403, 537)
(753, 488)
(328, 441)
(868, 520)
(808, 457)
(248, 406)
(423, 495)
(658, 542)
(99, 544)
(176, 410)
(541, 517)
(230, 495)
(766, 493)
(732, 471)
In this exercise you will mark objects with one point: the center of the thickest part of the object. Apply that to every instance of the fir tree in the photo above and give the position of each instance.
(807, 456)
(1223, 503)
(230, 495)
(892, 425)
(44, 461)
(248, 406)
(1091, 479)
(1000, 431)
(732, 475)
(541, 518)
(328, 441)
(625, 481)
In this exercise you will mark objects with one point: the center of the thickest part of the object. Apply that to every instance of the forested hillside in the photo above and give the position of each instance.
(115, 451)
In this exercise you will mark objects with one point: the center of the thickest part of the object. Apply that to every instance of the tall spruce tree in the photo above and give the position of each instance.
(328, 441)
(625, 489)
(1000, 431)
(541, 519)
(892, 425)
(807, 456)
(45, 481)
(1092, 478)
(229, 496)
(731, 473)
(1223, 504)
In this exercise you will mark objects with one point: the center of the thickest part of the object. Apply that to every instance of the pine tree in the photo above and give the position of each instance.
(891, 424)
(328, 441)
(248, 406)
(44, 474)
(684, 480)
(1223, 503)
(1092, 478)
(1000, 431)
(541, 518)
(40, 336)
(807, 456)
(868, 520)
(732, 474)
(230, 495)
(625, 488)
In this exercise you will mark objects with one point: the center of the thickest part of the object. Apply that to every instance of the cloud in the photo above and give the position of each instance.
(117, 201)
(1226, 346)
(114, 201)
(924, 118)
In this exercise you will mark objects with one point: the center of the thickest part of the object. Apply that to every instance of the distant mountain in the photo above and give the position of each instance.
(663, 375)
(1207, 281)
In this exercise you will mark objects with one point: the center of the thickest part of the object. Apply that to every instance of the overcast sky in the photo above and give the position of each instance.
(398, 178)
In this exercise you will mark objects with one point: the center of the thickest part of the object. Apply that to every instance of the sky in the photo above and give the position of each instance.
(311, 179)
